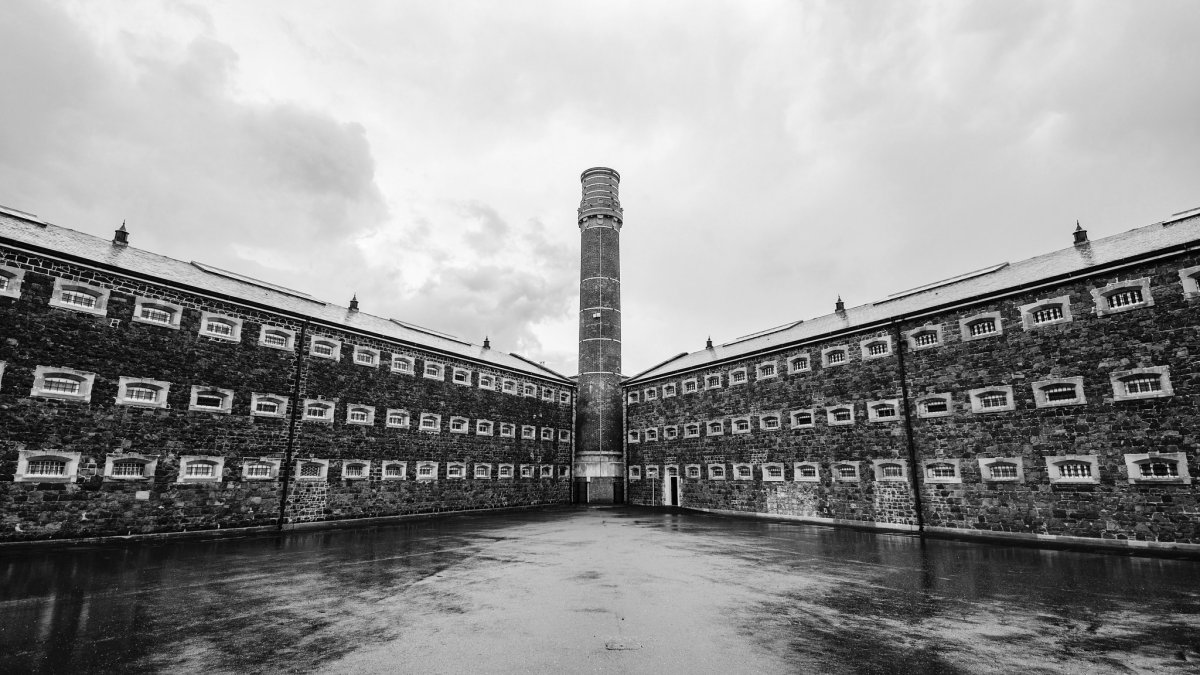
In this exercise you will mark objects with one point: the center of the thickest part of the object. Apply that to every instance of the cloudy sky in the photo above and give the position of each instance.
(426, 155)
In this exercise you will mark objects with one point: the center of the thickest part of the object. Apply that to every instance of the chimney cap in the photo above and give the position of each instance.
(121, 236)
(1080, 234)
(354, 303)
(839, 306)
(708, 343)
(487, 344)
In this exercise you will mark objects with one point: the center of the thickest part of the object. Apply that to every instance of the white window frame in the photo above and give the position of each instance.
(689, 469)
(322, 475)
(758, 370)
(1135, 477)
(199, 390)
(528, 432)
(433, 471)
(985, 469)
(652, 472)
(1054, 464)
(832, 409)
(692, 434)
(217, 462)
(762, 421)
(160, 401)
(101, 296)
(911, 337)
(564, 470)
(410, 364)
(487, 471)
(1117, 379)
(387, 464)
(369, 409)
(546, 471)
(1040, 397)
(708, 431)
(825, 363)
(70, 462)
(16, 277)
(564, 436)
(509, 386)
(508, 430)
(461, 376)
(41, 373)
(670, 390)
(527, 471)
(463, 424)
(650, 394)
(964, 326)
(635, 473)
(720, 474)
(708, 385)
(506, 472)
(141, 303)
(387, 420)
(373, 353)
(1189, 278)
(334, 344)
(671, 432)
(288, 334)
(941, 396)
(547, 434)
(547, 394)
(632, 397)
(873, 413)
(439, 373)
(839, 478)
(740, 420)
(426, 417)
(529, 390)
(765, 472)
(329, 405)
(877, 467)
(149, 466)
(798, 477)
(281, 401)
(739, 474)
(487, 381)
(273, 462)
(792, 363)
(459, 468)
(865, 345)
(484, 428)
(235, 326)
(812, 418)
(1028, 310)
(928, 464)
(564, 398)
(695, 382)
(975, 396)
(733, 373)
(1101, 295)
(650, 434)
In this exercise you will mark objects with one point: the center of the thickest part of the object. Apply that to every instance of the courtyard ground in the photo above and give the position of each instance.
(605, 590)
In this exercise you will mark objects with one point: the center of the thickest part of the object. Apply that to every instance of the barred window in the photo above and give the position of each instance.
(275, 338)
(799, 363)
(138, 392)
(1047, 314)
(200, 469)
(430, 422)
(842, 415)
(61, 384)
(651, 394)
(394, 470)
(802, 419)
(715, 427)
(775, 472)
(691, 430)
(693, 472)
(993, 399)
(934, 405)
(267, 407)
(672, 472)
(891, 470)
(716, 471)
(671, 432)
(941, 470)
(742, 425)
(767, 370)
(46, 467)
(877, 348)
(322, 349)
(770, 422)
(712, 381)
(1060, 392)
(458, 424)
(652, 434)
(1002, 470)
(157, 315)
(396, 418)
(358, 415)
(836, 356)
(743, 471)
(982, 327)
(737, 376)
(219, 327)
(885, 410)
(689, 386)
(128, 469)
(846, 471)
(364, 357)
(1142, 384)
(483, 471)
(925, 338)
(1159, 468)
(1074, 469)
(806, 471)
(454, 471)
(317, 411)
(78, 298)
(505, 471)
(425, 470)
(258, 470)
(1129, 296)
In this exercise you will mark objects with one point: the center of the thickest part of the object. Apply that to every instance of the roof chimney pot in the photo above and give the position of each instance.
(354, 303)
(487, 344)
(839, 306)
(121, 236)
(1080, 234)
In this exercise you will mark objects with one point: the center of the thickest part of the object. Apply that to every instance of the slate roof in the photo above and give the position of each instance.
(1181, 230)
(22, 228)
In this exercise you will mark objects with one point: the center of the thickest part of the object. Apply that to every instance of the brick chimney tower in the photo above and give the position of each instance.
(599, 429)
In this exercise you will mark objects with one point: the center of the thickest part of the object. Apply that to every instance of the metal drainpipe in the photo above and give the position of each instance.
(913, 471)
(293, 418)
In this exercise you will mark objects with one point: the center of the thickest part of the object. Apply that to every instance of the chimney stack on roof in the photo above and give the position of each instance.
(1080, 234)
(121, 236)
(839, 306)
(354, 303)
(708, 343)
(487, 344)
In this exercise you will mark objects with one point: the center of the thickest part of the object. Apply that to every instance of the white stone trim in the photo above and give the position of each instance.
(670, 390)
(404, 423)
(766, 468)
(280, 401)
(1040, 397)
(403, 364)
(739, 376)
(371, 354)
(771, 369)
(142, 304)
(691, 471)
(964, 326)
(508, 430)
(70, 462)
(743, 471)
(717, 472)
(929, 328)
(99, 295)
(1100, 296)
(328, 406)
(149, 466)
(709, 382)
(486, 381)
(484, 428)
(427, 471)
(15, 277)
(1055, 464)
(770, 421)
(85, 379)
(433, 370)
(798, 469)
(985, 469)
(794, 365)
(425, 426)
(740, 425)
(358, 407)
(509, 386)
(481, 471)
(160, 388)
(831, 411)
(635, 473)
(652, 472)
(334, 345)
(1189, 278)
(874, 408)
(528, 471)
(546, 471)
(461, 376)
(794, 418)
(837, 475)
(528, 432)
(695, 385)
(1028, 311)
(400, 474)
(878, 466)
(864, 347)
(827, 351)
(927, 466)
(459, 425)
(547, 434)
(945, 397)
(289, 337)
(216, 461)
(977, 404)
(650, 394)
(714, 428)
(456, 470)
(1133, 463)
(670, 432)
(692, 430)
(1117, 380)
(273, 464)
(208, 319)
(505, 472)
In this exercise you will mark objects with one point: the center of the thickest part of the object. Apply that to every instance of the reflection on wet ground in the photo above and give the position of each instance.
(601, 590)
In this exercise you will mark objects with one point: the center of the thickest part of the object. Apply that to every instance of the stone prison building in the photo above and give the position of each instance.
(1052, 399)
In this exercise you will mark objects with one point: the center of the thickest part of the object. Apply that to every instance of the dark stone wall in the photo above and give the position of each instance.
(32, 333)
(1091, 345)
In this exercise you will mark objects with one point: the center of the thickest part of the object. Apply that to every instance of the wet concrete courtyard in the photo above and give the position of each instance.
(567, 590)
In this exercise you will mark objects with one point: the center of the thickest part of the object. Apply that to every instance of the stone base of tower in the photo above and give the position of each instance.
(598, 480)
